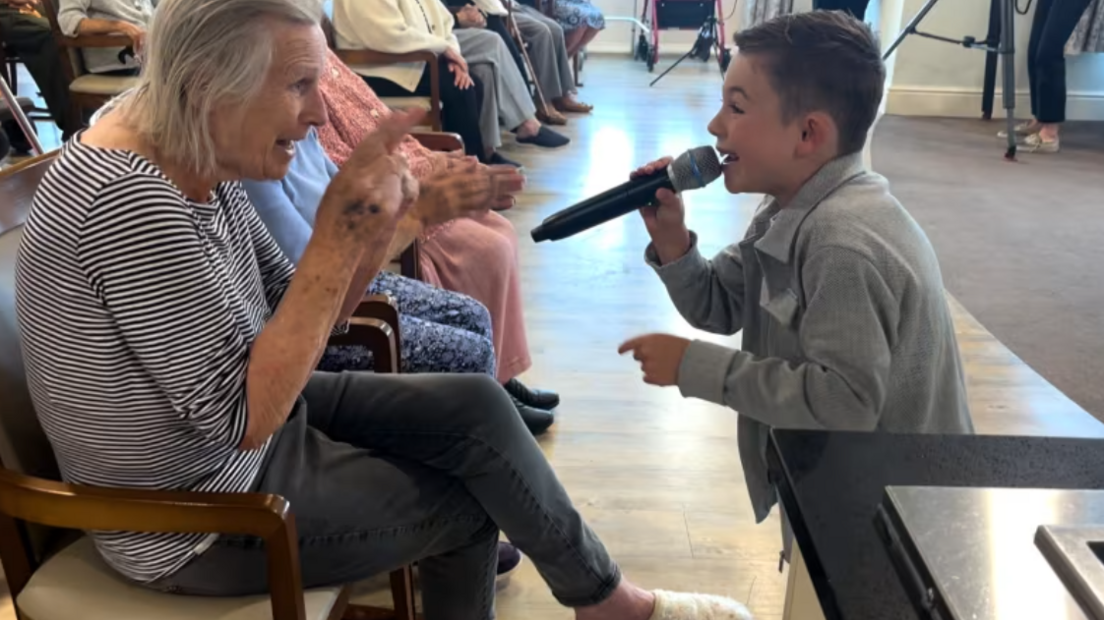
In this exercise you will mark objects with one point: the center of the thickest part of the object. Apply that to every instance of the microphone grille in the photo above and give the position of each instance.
(695, 169)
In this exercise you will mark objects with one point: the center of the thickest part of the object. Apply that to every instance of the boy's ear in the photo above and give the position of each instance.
(818, 131)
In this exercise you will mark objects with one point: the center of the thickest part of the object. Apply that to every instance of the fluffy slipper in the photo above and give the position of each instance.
(686, 606)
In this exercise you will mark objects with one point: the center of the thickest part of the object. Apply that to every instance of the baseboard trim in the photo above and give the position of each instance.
(966, 103)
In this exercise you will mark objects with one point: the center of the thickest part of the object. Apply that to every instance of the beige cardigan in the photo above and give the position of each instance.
(395, 27)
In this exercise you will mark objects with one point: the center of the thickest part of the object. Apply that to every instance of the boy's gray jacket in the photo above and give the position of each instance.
(845, 323)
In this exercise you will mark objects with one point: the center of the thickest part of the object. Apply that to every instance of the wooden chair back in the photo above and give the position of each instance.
(23, 445)
(24, 448)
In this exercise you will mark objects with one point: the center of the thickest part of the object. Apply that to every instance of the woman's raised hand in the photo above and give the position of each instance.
(373, 190)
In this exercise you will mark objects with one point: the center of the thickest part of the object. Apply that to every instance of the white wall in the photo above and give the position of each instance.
(925, 77)
(931, 78)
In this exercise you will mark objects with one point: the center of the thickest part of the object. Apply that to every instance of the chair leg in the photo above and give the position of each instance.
(402, 591)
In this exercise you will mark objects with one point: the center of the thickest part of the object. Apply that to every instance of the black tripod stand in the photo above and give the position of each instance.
(703, 48)
(1001, 28)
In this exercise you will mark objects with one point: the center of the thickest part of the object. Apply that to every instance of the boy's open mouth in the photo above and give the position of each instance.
(728, 158)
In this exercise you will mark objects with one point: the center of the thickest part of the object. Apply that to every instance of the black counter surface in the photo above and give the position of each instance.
(831, 484)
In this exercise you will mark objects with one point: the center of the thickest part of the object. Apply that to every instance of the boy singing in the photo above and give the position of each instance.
(837, 290)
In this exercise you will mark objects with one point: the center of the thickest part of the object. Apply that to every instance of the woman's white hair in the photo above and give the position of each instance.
(202, 54)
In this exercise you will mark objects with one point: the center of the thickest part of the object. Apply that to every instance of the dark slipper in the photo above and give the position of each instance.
(546, 138)
(497, 159)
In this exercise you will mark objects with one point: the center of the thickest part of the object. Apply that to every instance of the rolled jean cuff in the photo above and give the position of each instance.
(605, 589)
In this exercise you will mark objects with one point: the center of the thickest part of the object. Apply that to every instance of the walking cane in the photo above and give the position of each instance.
(542, 103)
(20, 117)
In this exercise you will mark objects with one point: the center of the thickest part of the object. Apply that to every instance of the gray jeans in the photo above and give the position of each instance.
(385, 470)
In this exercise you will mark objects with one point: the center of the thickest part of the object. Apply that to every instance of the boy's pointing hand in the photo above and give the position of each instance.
(659, 355)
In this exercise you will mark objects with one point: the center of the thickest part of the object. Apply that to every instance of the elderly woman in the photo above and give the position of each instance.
(442, 331)
(474, 255)
(170, 344)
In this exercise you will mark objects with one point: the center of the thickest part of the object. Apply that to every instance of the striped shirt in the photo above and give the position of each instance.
(137, 309)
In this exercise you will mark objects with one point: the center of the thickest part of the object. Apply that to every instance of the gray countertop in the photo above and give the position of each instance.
(832, 483)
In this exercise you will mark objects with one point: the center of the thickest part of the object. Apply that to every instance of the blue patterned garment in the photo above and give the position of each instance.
(573, 14)
(442, 331)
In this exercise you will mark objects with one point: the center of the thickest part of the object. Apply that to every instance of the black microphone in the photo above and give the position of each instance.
(693, 169)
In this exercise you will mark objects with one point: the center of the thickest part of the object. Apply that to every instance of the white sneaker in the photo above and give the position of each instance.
(1025, 128)
(686, 606)
(1036, 144)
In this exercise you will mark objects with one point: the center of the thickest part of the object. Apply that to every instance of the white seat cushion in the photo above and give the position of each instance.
(76, 583)
(108, 85)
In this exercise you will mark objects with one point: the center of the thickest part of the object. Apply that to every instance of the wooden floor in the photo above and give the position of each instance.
(657, 476)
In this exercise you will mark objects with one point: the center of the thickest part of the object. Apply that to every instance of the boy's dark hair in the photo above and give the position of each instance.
(822, 60)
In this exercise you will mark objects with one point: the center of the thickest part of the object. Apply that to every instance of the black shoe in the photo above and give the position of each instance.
(541, 399)
(497, 159)
(536, 420)
(509, 559)
(546, 138)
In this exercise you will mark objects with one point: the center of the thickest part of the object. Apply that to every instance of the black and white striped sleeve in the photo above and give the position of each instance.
(145, 261)
(276, 268)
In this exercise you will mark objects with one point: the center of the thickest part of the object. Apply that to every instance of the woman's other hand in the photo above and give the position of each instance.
(467, 187)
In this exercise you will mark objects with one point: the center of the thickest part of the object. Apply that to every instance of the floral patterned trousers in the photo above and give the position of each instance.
(441, 331)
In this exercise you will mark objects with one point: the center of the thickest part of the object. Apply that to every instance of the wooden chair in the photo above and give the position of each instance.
(365, 57)
(53, 570)
(87, 91)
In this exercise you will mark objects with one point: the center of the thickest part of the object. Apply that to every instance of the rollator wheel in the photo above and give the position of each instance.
(726, 58)
(641, 48)
(653, 57)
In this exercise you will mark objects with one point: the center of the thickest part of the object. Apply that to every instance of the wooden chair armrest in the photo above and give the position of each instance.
(382, 307)
(98, 40)
(74, 506)
(439, 140)
(70, 506)
(372, 57)
(377, 336)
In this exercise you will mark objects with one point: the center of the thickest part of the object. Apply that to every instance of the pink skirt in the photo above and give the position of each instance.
(477, 256)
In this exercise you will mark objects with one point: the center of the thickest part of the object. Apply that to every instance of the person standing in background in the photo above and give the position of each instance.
(1051, 28)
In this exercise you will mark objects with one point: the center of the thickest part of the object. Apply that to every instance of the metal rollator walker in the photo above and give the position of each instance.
(702, 15)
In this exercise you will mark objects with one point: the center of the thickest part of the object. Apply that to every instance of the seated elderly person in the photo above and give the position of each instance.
(125, 17)
(546, 48)
(581, 22)
(144, 264)
(475, 255)
(25, 33)
(442, 331)
(400, 26)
